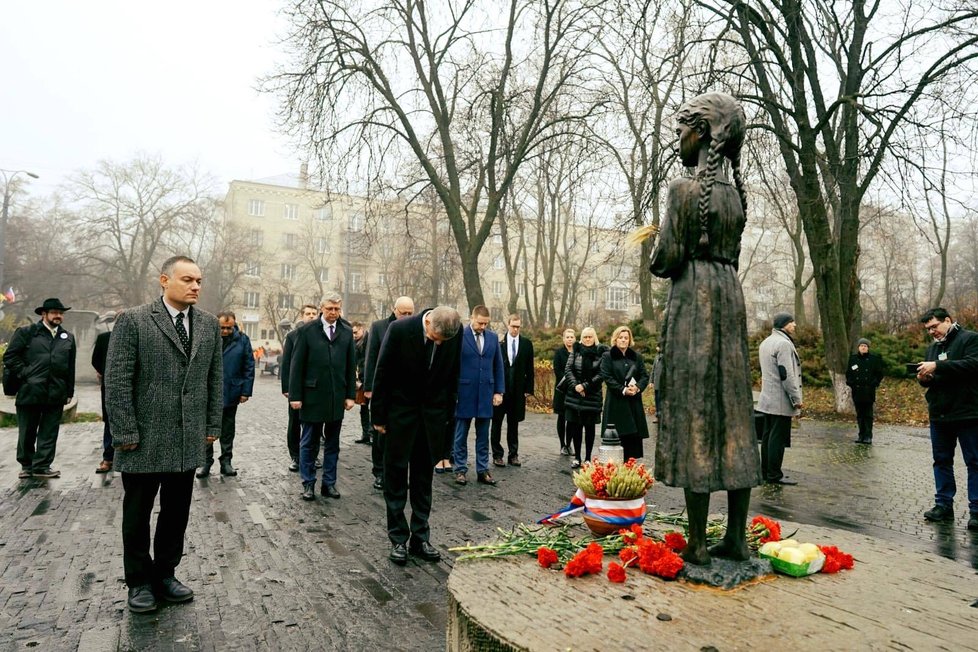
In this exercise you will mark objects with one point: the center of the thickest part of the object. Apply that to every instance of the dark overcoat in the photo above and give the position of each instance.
(626, 412)
(323, 372)
(375, 338)
(410, 396)
(44, 364)
(519, 377)
(480, 375)
(560, 384)
(159, 397)
(584, 368)
(864, 374)
(952, 394)
(239, 368)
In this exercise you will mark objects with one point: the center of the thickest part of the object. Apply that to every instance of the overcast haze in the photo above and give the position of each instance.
(84, 81)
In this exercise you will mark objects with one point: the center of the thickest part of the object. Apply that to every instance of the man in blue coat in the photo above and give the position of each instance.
(239, 380)
(480, 388)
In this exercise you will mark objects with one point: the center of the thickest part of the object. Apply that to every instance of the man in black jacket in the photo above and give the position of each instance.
(42, 357)
(414, 395)
(307, 313)
(950, 374)
(322, 385)
(863, 375)
(403, 307)
(518, 369)
(99, 354)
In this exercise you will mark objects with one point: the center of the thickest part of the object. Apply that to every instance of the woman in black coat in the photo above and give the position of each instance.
(863, 375)
(624, 375)
(560, 385)
(583, 401)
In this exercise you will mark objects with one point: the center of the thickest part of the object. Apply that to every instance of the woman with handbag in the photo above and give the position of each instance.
(560, 388)
(583, 399)
(624, 375)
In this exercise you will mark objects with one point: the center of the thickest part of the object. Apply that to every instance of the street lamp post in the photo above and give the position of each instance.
(8, 177)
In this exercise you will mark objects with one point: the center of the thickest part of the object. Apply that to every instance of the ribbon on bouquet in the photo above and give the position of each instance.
(615, 512)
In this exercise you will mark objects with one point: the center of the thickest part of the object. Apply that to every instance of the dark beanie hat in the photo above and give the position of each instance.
(782, 319)
(863, 340)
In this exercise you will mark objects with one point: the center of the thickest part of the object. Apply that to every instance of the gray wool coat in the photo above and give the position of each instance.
(780, 375)
(159, 398)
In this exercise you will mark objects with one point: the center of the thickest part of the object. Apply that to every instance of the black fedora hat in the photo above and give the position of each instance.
(51, 304)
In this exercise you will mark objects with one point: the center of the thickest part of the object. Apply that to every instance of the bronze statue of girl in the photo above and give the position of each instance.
(706, 440)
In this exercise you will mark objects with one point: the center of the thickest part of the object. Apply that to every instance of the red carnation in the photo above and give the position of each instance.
(546, 557)
(628, 555)
(768, 528)
(835, 560)
(616, 573)
(667, 565)
(675, 541)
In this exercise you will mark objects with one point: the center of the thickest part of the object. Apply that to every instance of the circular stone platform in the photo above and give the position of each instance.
(895, 598)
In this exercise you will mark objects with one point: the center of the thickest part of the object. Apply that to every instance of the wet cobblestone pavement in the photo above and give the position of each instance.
(273, 572)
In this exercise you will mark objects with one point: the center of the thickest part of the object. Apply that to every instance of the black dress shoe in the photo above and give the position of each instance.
(141, 599)
(426, 551)
(498, 461)
(485, 478)
(515, 461)
(398, 554)
(227, 469)
(308, 492)
(329, 491)
(173, 590)
(204, 471)
(294, 466)
(362, 440)
(378, 483)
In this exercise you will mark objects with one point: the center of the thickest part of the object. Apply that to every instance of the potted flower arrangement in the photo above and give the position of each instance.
(614, 494)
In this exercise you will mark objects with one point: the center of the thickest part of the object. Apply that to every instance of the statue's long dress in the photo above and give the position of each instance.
(706, 440)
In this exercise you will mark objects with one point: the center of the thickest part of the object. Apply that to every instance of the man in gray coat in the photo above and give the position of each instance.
(163, 391)
(780, 396)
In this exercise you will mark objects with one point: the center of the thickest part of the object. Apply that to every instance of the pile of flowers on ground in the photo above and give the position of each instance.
(650, 556)
(612, 480)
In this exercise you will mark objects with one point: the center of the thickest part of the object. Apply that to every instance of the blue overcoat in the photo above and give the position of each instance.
(480, 376)
(239, 368)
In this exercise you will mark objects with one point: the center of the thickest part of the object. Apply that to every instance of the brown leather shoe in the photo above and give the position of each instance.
(498, 461)
(485, 478)
(515, 461)
(460, 478)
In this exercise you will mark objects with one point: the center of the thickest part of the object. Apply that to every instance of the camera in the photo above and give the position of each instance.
(912, 368)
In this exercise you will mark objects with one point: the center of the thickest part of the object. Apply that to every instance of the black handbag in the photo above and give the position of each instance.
(11, 382)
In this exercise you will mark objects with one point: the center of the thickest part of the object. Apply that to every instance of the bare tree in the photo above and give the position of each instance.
(129, 213)
(463, 88)
(836, 83)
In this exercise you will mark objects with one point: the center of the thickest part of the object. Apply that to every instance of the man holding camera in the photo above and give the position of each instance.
(950, 374)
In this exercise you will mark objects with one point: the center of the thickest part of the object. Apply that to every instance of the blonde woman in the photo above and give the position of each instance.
(560, 387)
(583, 402)
(624, 375)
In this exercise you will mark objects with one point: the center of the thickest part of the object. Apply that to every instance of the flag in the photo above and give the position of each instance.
(576, 505)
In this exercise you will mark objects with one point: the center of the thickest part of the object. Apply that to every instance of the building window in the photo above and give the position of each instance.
(251, 299)
(592, 295)
(382, 279)
(497, 262)
(497, 288)
(252, 269)
(291, 212)
(324, 213)
(496, 314)
(250, 328)
(288, 272)
(286, 301)
(290, 240)
(322, 246)
(256, 237)
(497, 240)
(356, 222)
(256, 207)
(356, 282)
(323, 274)
(617, 298)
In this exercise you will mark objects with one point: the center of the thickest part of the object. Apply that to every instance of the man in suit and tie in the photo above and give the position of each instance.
(322, 385)
(163, 392)
(480, 389)
(307, 313)
(403, 307)
(518, 366)
(414, 396)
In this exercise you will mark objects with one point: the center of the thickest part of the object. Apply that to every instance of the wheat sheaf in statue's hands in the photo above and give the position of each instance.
(643, 233)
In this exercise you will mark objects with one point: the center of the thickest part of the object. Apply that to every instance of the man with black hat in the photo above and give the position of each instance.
(863, 375)
(780, 396)
(42, 359)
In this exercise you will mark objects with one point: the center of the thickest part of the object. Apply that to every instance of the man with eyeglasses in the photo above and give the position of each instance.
(950, 374)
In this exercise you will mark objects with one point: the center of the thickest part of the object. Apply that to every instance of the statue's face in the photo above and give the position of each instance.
(689, 144)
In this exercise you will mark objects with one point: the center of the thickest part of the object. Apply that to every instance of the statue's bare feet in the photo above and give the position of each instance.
(735, 550)
(698, 555)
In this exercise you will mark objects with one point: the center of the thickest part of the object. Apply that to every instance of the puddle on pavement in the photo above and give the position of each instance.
(42, 508)
(434, 615)
(221, 517)
(478, 517)
(336, 547)
(85, 583)
(376, 591)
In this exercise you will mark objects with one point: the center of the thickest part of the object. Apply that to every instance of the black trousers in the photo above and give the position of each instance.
(575, 432)
(365, 427)
(37, 435)
(407, 468)
(227, 436)
(507, 412)
(562, 430)
(864, 419)
(175, 491)
(293, 434)
(777, 430)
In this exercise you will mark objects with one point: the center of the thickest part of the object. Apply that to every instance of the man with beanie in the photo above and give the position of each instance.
(780, 396)
(864, 374)
(950, 374)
